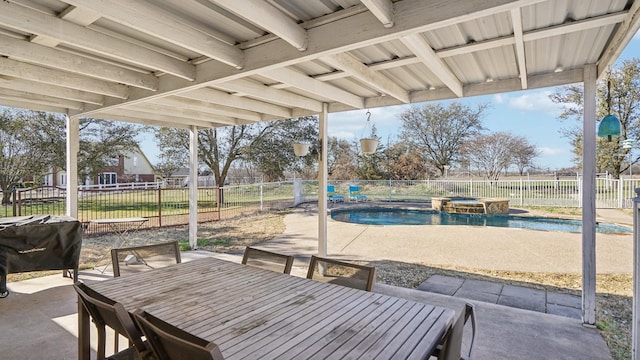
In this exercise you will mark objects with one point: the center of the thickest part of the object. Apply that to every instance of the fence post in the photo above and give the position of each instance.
(470, 187)
(390, 189)
(521, 193)
(620, 193)
(261, 199)
(159, 207)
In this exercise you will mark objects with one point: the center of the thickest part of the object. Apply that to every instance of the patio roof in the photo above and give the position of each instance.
(204, 63)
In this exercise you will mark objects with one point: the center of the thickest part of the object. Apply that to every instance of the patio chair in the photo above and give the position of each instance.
(267, 260)
(171, 343)
(354, 194)
(141, 258)
(342, 273)
(332, 196)
(107, 313)
(469, 313)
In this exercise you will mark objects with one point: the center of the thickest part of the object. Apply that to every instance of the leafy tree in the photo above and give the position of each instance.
(439, 132)
(341, 162)
(625, 104)
(267, 144)
(370, 166)
(491, 153)
(20, 155)
(404, 163)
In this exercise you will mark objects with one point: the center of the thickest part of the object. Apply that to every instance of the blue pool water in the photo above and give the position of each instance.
(386, 216)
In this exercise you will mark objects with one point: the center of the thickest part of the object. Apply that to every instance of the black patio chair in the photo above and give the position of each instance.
(267, 260)
(106, 313)
(342, 273)
(171, 343)
(469, 314)
(142, 258)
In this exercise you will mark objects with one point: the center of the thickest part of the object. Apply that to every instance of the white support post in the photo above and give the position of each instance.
(73, 146)
(322, 182)
(635, 324)
(589, 198)
(193, 187)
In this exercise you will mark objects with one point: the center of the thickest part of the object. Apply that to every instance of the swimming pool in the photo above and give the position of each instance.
(389, 216)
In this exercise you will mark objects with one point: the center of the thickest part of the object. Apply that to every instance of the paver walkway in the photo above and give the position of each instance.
(508, 295)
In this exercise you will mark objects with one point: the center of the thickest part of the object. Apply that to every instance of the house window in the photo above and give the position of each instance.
(108, 178)
(48, 180)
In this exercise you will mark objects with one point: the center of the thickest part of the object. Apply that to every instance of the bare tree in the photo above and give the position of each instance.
(624, 91)
(524, 153)
(491, 153)
(439, 132)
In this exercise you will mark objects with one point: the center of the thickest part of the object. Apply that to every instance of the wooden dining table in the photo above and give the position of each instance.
(252, 313)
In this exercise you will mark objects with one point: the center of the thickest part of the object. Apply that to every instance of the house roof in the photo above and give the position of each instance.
(206, 63)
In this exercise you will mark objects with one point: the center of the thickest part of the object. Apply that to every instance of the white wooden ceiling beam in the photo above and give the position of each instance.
(623, 35)
(421, 48)
(62, 60)
(46, 89)
(123, 115)
(148, 18)
(575, 26)
(223, 98)
(39, 99)
(209, 108)
(411, 16)
(518, 35)
(181, 112)
(23, 19)
(301, 81)
(168, 119)
(32, 106)
(60, 78)
(350, 64)
(269, 18)
(382, 10)
(72, 14)
(265, 93)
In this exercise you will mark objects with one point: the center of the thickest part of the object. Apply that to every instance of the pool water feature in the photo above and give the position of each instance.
(393, 216)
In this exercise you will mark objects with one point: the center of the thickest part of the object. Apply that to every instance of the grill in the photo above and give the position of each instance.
(35, 243)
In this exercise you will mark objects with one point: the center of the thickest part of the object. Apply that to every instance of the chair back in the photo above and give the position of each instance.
(106, 312)
(136, 259)
(442, 348)
(171, 343)
(267, 260)
(354, 189)
(331, 189)
(342, 273)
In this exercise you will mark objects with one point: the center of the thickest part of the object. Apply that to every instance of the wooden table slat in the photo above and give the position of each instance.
(254, 313)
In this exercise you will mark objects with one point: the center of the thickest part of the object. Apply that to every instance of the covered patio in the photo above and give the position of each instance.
(196, 63)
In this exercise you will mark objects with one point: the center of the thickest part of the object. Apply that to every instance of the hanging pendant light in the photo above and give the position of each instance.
(368, 145)
(609, 126)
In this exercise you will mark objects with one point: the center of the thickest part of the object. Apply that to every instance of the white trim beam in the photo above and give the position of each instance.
(32, 106)
(351, 65)
(421, 48)
(167, 119)
(580, 25)
(382, 10)
(223, 98)
(62, 60)
(23, 19)
(39, 99)
(193, 187)
(269, 18)
(45, 75)
(185, 113)
(301, 81)
(516, 20)
(138, 120)
(145, 17)
(209, 108)
(73, 147)
(72, 14)
(46, 89)
(623, 35)
(263, 92)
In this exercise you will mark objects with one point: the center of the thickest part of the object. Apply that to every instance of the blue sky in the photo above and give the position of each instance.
(530, 114)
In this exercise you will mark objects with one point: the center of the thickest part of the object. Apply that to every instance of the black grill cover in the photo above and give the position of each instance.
(34, 243)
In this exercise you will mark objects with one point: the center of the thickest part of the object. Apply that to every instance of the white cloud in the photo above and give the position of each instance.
(498, 98)
(535, 101)
(553, 151)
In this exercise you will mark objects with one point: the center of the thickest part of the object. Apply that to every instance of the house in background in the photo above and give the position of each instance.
(130, 167)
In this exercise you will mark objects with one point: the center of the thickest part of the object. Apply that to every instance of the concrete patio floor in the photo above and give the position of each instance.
(38, 319)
